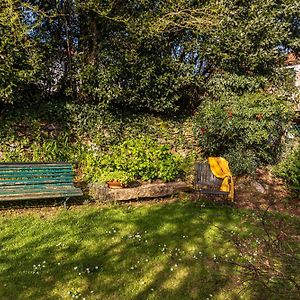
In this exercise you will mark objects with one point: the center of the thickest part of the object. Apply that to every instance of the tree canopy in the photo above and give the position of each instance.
(151, 55)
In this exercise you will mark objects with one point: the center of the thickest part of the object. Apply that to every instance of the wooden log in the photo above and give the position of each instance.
(152, 190)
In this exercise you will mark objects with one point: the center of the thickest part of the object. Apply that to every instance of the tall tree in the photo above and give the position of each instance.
(20, 58)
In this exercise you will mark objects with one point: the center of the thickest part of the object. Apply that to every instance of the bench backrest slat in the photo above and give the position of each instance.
(26, 173)
(35, 174)
(33, 166)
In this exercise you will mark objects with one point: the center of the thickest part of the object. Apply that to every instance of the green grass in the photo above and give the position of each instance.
(158, 251)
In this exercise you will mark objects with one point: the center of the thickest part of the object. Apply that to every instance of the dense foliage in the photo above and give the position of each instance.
(105, 146)
(88, 63)
(246, 129)
(134, 159)
(150, 55)
(20, 56)
(289, 170)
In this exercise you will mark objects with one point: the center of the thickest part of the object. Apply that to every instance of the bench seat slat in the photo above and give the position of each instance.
(38, 189)
(213, 192)
(30, 188)
(33, 186)
(37, 192)
(49, 194)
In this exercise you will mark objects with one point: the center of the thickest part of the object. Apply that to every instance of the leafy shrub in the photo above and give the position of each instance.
(133, 159)
(242, 161)
(289, 170)
(231, 83)
(246, 129)
(46, 150)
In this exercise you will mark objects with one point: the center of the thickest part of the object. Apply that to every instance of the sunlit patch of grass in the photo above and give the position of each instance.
(162, 251)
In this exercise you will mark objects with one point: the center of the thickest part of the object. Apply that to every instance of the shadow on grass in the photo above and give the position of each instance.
(40, 203)
(163, 251)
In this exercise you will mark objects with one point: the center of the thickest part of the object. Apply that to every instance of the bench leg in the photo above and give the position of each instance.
(65, 202)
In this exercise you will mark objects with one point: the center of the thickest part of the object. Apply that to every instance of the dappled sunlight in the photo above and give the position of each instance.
(179, 275)
(172, 251)
(169, 131)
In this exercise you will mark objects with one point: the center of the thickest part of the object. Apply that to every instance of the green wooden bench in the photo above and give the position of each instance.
(27, 181)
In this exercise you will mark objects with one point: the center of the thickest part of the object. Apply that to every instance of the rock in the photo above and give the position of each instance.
(155, 190)
(259, 187)
(98, 191)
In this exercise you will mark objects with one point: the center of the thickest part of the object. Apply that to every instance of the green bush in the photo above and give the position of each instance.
(289, 170)
(242, 161)
(134, 159)
(60, 148)
(247, 129)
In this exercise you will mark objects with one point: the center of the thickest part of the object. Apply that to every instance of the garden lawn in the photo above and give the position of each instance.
(157, 251)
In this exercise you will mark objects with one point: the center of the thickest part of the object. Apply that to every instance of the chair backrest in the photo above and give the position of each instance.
(205, 178)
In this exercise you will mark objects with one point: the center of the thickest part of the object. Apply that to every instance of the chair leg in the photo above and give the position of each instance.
(65, 202)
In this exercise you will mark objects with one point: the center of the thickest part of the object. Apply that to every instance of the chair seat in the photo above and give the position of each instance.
(213, 192)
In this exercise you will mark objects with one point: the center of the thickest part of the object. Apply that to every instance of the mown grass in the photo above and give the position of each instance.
(158, 251)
